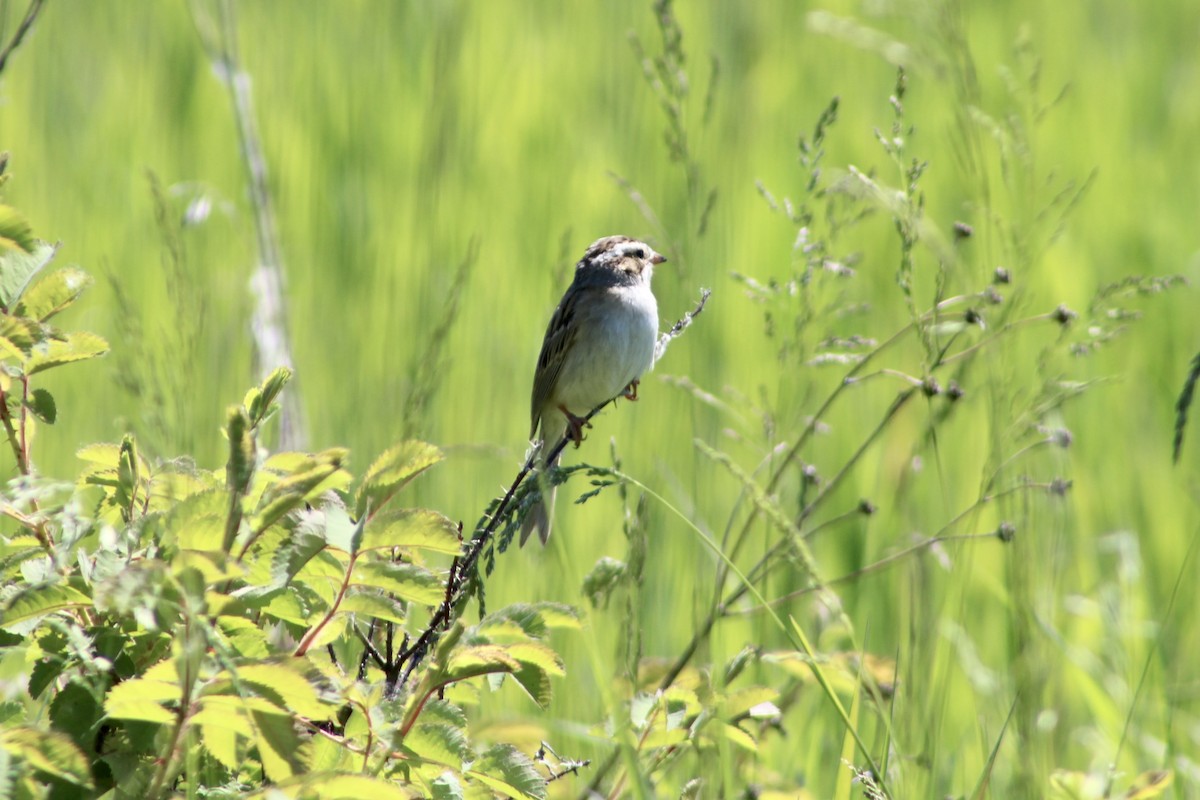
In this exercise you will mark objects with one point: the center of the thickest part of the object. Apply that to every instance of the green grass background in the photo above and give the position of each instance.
(398, 133)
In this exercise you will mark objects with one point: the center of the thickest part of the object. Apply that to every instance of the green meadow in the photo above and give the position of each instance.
(903, 496)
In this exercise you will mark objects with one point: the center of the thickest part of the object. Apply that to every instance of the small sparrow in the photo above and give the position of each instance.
(599, 342)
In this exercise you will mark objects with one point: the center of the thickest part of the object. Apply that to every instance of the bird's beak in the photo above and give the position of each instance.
(657, 258)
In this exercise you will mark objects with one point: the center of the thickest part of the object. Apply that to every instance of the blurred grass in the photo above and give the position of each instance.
(398, 133)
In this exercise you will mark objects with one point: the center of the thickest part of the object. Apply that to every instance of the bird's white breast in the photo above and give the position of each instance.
(615, 345)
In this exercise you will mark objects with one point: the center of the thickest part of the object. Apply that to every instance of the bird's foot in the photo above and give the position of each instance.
(575, 426)
(630, 392)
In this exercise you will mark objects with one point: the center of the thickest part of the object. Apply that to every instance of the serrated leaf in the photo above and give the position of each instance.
(53, 293)
(505, 769)
(392, 471)
(473, 661)
(49, 751)
(38, 601)
(373, 605)
(446, 787)
(535, 619)
(76, 346)
(10, 350)
(221, 721)
(15, 230)
(298, 550)
(536, 684)
(438, 741)
(309, 479)
(278, 745)
(41, 404)
(201, 533)
(415, 528)
(141, 699)
(538, 655)
(246, 638)
(406, 581)
(291, 687)
(105, 454)
(21, 335)
(18, 263)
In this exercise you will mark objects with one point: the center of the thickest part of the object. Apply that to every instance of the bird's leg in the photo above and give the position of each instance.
(630, 392)
(575, 425)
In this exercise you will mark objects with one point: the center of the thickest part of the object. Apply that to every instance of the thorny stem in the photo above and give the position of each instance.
(460, 580)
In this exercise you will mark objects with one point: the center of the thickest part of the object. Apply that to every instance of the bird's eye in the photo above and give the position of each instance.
(639, 253)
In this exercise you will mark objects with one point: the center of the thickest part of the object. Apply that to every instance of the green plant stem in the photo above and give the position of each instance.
(11, 432)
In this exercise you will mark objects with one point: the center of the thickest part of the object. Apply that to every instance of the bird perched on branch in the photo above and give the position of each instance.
(599, 342)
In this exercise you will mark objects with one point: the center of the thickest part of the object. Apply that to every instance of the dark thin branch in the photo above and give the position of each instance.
(22, 30)
(463, 574)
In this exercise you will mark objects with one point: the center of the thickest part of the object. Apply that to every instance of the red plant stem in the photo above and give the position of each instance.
(311, 636)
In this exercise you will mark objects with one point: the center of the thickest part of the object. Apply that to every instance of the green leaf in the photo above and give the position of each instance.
(128, 473)
(373, 605)
(53, 293)
(446, 787)
(336, 786)
(20, 335)
(505, 769)
(242, 451)
(201, 533)
(739, 737)
(220, 729)
(142, 699)
(341, 532)
(392, 471)
(48, 751)
(534, 619)
(75, 712)
(481, 659)
(1151, 784)
(406, 581)
(440, 734)
(278, 745)
(19, 264)
(605, 576)
(246, 638)
(260, 401)
(38, 601)
(41, 405)
(298, 550)
(416, 528)
(536, 684)
(308, 480)
(15, 230)
(292, 687)
(538, 655)
(77, 346)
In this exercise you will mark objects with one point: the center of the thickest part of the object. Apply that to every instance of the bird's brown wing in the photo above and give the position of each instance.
(560, 337)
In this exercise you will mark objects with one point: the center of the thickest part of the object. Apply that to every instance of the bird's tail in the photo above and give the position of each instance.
(542, 511)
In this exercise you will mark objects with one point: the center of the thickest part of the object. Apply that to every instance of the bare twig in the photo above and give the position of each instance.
(23, 29)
